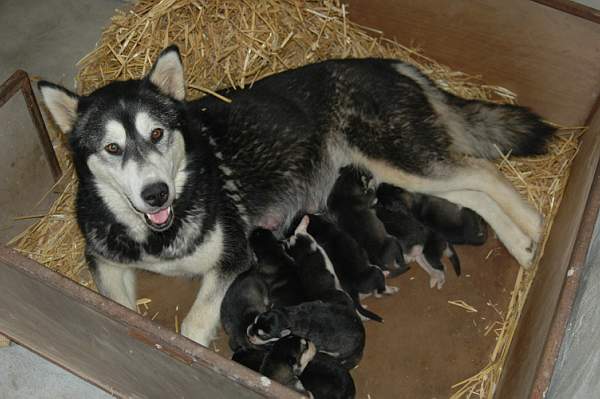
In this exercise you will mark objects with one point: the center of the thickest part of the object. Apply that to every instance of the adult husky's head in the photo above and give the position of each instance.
(126, 137)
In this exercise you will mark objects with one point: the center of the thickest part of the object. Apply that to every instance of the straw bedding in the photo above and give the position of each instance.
(234, 43)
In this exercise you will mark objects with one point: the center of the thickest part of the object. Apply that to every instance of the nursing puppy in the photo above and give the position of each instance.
(270, 282)
(326, 379)
(286, 361)
(460, 226)
(352, 201)
(350, 262)
(276, 268)
(314, 268)
(419, 243)
(335, 329)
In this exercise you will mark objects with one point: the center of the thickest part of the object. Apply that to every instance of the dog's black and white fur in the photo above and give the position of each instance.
(173, 186)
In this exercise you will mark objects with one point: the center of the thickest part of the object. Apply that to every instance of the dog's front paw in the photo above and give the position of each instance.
(197, 332)
(437, 278)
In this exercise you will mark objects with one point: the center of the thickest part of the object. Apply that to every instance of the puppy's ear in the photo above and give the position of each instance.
(303, 225)
(285, 332)
(167, 73)
(61, 103)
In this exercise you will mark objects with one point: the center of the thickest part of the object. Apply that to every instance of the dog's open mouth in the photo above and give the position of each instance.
(161, 220)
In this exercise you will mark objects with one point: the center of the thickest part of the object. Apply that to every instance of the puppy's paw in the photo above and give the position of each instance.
(437, 278)
(390, 290)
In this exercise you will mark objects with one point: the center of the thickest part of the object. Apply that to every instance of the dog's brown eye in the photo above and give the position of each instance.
(156, 135)
(113, 148)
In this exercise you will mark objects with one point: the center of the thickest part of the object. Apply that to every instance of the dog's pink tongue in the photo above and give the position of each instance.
(159, 217)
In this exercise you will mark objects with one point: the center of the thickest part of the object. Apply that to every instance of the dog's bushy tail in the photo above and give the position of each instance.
(485, 130)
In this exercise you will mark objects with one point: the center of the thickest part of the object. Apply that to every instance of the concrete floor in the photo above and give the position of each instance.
(47, 38)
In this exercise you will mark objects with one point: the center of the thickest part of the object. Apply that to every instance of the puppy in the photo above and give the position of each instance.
(270, 281)
(276, 268)
(326, 379)
(246, 298)
(460, 226)
(250, 357)
(419, 242)
(352, 202)
(335, 329)
(286, 361)
(350, 262)
(314, 268)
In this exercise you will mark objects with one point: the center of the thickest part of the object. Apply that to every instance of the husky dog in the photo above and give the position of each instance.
(174, 187)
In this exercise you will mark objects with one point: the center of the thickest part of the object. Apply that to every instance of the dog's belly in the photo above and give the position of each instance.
(204, 258)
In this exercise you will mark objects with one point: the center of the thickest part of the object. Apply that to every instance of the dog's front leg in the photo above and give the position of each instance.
(204, 316)
(116, 282)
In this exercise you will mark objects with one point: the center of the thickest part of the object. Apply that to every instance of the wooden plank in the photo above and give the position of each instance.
(111, 346)
(551, 59)
(571, 7)
(529, 366)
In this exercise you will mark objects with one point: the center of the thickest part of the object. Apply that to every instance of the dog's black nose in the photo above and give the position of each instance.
(156, 194)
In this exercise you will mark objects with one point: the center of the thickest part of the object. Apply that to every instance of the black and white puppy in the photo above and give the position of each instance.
(419, 242)
(350, 262)
(335, 329)
(326, 379)
(286, 361)
(270, 281)
(314, 268)
(276, 268)
(460, 226)
(352, 202)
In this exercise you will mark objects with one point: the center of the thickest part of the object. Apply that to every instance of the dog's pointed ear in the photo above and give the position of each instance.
(167, 73)
(61, 103)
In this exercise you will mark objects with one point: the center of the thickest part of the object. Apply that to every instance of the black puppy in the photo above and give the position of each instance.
(286, 361)
(326, 379)
(250, 357)
(458, 225)
(352, 202)
(271, 280)
(350, 262)
(314, 268)
(419, 242)
(335, 329)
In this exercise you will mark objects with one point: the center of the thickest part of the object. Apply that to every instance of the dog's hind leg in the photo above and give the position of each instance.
(481, 189)
(519, 244)
(116, 282)
(203, 318)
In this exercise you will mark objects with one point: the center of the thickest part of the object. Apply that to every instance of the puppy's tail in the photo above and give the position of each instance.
(454, 259)
(484, 130)
(364, 312)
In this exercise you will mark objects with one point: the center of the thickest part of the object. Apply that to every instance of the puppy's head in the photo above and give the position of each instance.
(268, 327)
(294, 352)
(354, 186)
(372, 279)
(263, 243)
(395, 199)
